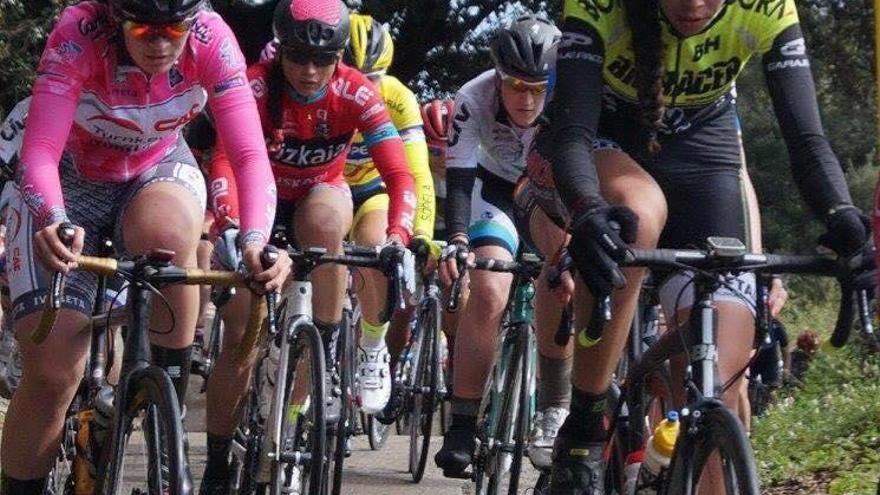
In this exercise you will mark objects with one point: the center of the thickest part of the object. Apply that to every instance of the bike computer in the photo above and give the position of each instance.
(726, 246)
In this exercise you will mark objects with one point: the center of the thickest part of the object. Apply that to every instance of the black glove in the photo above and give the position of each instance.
(599, 241)
(847, 231)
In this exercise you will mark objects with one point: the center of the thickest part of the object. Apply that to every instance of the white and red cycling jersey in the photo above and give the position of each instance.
(91, 101)
(309, 140)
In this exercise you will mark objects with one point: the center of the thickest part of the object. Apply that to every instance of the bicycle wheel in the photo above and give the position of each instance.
(247, 443)
(424, 389)
(377, 433)
(154, 450)
(298, 450)
(712, 437)
(338, 434)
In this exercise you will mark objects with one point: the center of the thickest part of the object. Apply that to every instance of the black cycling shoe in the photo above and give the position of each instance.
(578, 468)
(457, 452)
(214, 485)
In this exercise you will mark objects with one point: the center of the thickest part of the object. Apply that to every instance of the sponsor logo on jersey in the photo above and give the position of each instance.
(462, 114)
(173, 123)
(707, 80)
(66, 52)
(595, 8)
(228, 84)
(788, 64)
(308, 155)
(769, 8)
(201, 32)
(711, 44)
(174, 77)
(372, 112)
(794, 48)
(574, 46)
(228, 55)
(360, 95)
(258, 87)
(93, 27)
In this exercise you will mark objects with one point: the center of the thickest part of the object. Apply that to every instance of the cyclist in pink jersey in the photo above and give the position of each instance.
(116, 82)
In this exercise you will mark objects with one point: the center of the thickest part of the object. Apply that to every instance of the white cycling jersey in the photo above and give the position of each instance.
(482, 134)
(12, 132)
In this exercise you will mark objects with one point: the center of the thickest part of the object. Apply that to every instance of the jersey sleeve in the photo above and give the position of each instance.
(815, 168)
(461, 165)
(408, 121)
(239, 128)
(62, 71)
(573, 115)
(388, 154)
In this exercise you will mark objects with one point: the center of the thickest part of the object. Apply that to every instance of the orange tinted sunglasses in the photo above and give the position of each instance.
(143, 31)
(520, 86)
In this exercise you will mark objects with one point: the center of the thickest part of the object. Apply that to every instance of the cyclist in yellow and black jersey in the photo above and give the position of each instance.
(371, 51)
(642, 131)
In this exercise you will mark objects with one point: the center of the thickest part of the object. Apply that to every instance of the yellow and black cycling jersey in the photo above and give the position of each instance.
(362, 176)
(595, 99)
(699, 69)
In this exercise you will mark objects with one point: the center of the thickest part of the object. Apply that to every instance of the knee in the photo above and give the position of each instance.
(651, 210)
(321, 230)
(488, 294)
(178, 235)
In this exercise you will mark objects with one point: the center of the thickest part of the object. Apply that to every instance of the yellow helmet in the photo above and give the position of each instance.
(370, 48)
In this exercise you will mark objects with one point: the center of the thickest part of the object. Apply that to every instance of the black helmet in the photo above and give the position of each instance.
(526, 48)
(321, 25)
(155, 11)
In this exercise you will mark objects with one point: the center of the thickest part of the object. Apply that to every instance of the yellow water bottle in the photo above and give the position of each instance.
(658, 455)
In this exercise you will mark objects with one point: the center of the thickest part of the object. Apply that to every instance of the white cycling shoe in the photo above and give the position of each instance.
(374, 373)
(544, 431)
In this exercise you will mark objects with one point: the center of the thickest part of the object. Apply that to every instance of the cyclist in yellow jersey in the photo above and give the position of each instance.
(642, 132)
(371, 50)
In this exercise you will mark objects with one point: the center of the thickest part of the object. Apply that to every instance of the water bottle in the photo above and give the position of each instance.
(657, 455)
(94, 426)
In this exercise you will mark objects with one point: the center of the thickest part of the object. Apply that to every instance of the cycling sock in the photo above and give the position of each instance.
(586, 422)
(463, 422)
(218, 456)
(554, 386)
(465, 407)
(373, 335)
(329, 335)
(12, 486)
(176, 363)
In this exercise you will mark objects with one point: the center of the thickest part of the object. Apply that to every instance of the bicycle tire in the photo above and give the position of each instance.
(163, 436)
(247, 445)
(710, 428)
(506, 454)
(339, 434)
(425, 397)
(307, 434)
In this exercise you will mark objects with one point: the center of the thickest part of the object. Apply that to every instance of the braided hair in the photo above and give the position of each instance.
(641, 15)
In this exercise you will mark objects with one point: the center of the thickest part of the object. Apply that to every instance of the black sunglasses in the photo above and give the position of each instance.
(303, 57)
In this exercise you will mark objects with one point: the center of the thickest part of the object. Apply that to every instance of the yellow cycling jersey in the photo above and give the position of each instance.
(363, 177)
(701, 68)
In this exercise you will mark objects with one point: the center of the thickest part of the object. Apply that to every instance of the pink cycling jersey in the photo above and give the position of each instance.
(116, 121)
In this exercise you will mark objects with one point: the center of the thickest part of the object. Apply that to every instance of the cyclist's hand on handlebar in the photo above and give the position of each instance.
(268, 279)
(847, 231)
(777, 297)
(599, 241)
(422, 248)
(51, 250)
(393, 250)
(559, 278)
(454, 252)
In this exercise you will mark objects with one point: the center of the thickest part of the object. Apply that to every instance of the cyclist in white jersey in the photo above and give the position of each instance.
(492, 128)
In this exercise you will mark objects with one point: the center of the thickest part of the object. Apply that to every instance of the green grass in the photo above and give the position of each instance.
(829, 428)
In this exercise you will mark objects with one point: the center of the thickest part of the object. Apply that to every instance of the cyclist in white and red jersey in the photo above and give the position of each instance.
(116, 82)
(311, 106)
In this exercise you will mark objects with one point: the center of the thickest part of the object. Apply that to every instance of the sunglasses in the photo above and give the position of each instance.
(520, 86)
(303, 57)
(143, 31)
